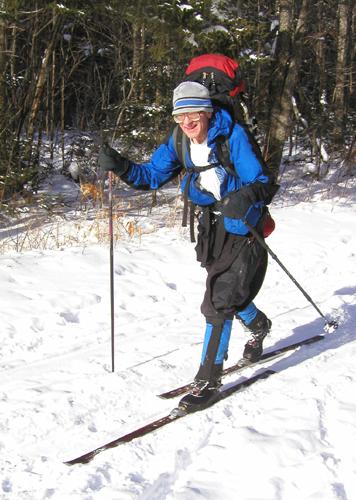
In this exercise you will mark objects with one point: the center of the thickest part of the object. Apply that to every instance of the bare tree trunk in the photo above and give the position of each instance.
(2, 100)
(52, 104)
(352, 81)
(341, 70)
(41, 80)
(62, 120)
(320, 59)
(288, 54)
(350, 158)
(2, 57)
(137, 34)
(276, 135)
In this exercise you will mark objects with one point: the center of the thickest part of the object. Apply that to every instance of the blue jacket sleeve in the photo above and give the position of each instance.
(247, 165)
(162, 167)
(256, 181)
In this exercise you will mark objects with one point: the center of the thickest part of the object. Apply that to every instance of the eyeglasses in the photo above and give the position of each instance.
(193, 117)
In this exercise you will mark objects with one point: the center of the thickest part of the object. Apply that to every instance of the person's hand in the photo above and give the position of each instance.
(110, 160)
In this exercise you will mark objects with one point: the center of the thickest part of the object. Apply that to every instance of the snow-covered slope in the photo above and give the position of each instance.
(290, 437)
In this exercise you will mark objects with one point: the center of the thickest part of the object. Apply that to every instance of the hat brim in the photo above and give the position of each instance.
(179, 111)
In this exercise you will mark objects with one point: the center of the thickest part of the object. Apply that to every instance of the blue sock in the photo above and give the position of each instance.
(248, 314)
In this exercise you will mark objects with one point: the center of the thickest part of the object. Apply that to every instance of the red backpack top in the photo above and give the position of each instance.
(220, 74)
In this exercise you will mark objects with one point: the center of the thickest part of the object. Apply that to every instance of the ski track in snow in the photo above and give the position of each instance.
(290, 437)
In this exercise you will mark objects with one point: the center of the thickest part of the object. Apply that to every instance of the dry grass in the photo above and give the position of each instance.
(90, 192)
(38, 234)
(55, 226)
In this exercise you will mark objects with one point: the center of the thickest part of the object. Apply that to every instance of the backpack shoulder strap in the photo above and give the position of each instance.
(223, 152)
(180, 142)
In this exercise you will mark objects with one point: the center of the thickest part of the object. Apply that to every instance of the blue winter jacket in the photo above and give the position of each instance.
(164, 166)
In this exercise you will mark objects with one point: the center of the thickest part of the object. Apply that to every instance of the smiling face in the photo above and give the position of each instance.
(197, 131)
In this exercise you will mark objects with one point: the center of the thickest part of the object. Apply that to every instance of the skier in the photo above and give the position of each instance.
(226, 196)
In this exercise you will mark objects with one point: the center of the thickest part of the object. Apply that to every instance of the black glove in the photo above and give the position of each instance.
(110, 160)
(236, 204)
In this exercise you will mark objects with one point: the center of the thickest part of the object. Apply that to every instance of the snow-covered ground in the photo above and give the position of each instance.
(290, 437)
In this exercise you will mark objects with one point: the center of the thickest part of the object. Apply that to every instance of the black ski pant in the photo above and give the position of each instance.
(236, 267)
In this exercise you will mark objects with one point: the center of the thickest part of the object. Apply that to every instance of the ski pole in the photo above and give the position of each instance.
(111, 236)
(329, 325)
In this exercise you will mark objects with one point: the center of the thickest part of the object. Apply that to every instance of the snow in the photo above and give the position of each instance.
(288, 437)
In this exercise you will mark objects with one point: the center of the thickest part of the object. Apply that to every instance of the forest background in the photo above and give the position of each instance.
(87, 71)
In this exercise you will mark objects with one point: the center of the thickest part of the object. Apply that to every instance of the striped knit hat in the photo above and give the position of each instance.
(189, 97)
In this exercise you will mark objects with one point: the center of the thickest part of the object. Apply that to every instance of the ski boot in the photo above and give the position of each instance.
(259, 328)
(203, 392)
(208, 379)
